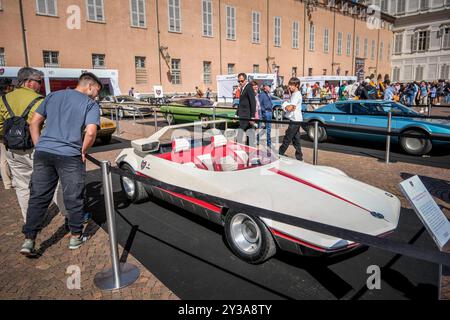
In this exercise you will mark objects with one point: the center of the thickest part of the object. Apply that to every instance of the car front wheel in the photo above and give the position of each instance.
(415, 146)
(249, 238)
(278, 114)
(134, 190)
(322, 132)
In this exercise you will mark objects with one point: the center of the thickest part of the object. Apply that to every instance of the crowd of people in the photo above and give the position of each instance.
(416, 93)
(45, 141)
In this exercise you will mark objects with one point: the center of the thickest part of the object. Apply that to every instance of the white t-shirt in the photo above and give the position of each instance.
(309, 93)
(296, 100)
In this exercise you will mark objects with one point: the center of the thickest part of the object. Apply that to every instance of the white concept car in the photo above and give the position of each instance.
(215, 165)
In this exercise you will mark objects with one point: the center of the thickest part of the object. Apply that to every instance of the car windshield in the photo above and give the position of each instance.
(398, 108)
(125, 99)
(199, 103)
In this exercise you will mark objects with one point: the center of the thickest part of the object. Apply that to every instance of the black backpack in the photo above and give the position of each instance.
(16, 130)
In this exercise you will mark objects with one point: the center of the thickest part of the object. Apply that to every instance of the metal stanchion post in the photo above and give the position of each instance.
(156, 119)
(316, 143)
(429, 106)
(121, 274)
(214, 115)
(388, 137)
(134, 115)
(118, 121)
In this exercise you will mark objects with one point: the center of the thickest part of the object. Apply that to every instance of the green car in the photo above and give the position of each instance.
(194, 109)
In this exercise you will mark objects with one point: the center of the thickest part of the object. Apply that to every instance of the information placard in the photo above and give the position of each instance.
(428, 211)
(158, 90)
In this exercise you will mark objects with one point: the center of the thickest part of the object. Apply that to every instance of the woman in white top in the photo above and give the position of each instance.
(293, 109)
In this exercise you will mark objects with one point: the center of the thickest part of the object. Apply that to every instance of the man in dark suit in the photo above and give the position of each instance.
(247, 104)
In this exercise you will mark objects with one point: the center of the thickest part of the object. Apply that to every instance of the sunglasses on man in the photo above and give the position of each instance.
(38, 81)
(241, 81)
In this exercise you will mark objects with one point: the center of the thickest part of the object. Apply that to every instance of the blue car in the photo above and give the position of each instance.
(278, 113)
(372, 114)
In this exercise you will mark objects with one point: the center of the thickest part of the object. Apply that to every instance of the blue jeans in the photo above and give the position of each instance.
(268, 117)
(48, 168)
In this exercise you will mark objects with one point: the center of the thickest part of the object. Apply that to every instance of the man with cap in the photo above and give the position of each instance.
(25, 98)
(61, 155)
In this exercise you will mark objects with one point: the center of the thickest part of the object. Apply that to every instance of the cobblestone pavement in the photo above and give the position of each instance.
(45, 278)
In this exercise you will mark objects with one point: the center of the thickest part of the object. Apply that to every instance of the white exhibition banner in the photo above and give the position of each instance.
(158, 90)
(428, 211)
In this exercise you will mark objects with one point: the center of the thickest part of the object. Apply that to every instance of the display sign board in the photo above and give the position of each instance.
(359, 68)
(158, 90)
(428, 211)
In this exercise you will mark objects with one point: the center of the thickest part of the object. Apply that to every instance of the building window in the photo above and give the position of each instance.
(349, 44)
(207, 15)
(396, 74)
(445, 71)
(326, 40)
(424, 4)
(51, 58)
(372, 51)
(47, 7)
(310, 72)
(357, 52)
(312, 35)
(98, 61)
(140, 62)
(256, 16)
(380, 57)
(420, 41)
(339, 43)
(138, 18)
(366, 48)
(2, 57)
(176, 71)
(294, 72)
(384, 6)
(141, 71)
(256, 68)
(398, 46)
(389, 51)
(277, 32)
(174, 15)
(230, 68)
(419, 73)
(231, 23)
(207, 72)
(295, 32)
(95, 10)
(401, 6)
(446, 38)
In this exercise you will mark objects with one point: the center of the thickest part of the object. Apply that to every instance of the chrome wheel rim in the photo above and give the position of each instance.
(311, 132)
(128, 186)
(414, 144)
(278, 115)
(204, 119)
(245, 233)
(169, 119)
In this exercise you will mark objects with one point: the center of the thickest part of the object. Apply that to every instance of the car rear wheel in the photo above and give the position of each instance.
(249, 238)
(415, 146)
(278, 114)
(322, 132)
(134, 190)
(205, 119)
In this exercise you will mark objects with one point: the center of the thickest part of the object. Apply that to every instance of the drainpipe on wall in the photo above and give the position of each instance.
(304, 38)
(354, 47)
(378, 52)
(334, 40)
(220, 36)
(267, 41)
(159, 43)
(24, 36)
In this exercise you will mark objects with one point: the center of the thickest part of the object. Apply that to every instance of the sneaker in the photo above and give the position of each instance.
(76, 242)
(28, 249)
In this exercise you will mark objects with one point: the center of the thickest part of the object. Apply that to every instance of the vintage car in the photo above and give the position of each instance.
(373, 114)
(218, 166)
(193, 109)
(126, 106)
(107, 128)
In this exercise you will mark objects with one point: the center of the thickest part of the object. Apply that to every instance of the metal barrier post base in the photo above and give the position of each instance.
(128, 274)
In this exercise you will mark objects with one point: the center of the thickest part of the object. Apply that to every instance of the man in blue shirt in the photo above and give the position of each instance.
(60, 154)
(266, 111)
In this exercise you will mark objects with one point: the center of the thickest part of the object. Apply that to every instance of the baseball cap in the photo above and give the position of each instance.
(91, 76)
